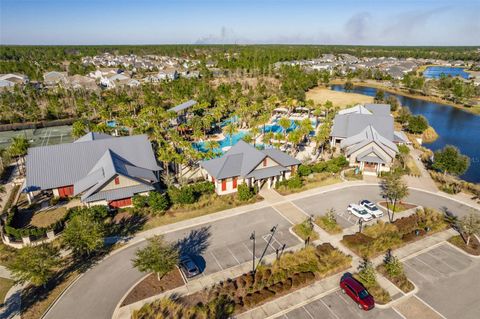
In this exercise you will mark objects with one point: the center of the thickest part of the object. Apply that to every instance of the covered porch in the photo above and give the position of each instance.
(266, 176)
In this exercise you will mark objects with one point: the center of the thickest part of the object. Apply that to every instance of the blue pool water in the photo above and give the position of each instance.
(276, 128)
(436, 72)
(200, 146)
(233, 119)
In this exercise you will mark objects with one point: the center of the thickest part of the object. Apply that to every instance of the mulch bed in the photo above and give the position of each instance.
(151, 286)
(473, 247)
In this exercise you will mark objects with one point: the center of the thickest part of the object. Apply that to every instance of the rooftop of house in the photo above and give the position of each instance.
(242, 159)
(68, 164)
(182, 106)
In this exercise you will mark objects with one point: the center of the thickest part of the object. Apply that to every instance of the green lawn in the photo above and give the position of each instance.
(318, 180)
(48, 217)
(207, 204)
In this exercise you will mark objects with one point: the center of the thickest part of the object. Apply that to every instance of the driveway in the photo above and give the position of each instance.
(221, 244)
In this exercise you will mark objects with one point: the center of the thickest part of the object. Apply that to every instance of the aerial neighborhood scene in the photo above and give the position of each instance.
(239, 159)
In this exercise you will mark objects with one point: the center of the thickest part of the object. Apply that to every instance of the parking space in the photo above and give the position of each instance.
(226, 243)
(445, 278)
(337, 306)
(318, 205)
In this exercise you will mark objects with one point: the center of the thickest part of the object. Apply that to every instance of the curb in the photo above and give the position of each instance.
(462, 251)
(405, 296)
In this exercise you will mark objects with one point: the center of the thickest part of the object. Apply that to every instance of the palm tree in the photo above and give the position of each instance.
(210, 146)
(230, 129)
(285, 123)
(328, 106)
(19, 149)
(295, 137)
(254, 133)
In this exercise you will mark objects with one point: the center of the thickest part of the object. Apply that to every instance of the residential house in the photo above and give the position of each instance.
(182, 112)
(54, 78)
(14, 78)
(82, 82)
(243, 163)
(99, 168)
(366, 135)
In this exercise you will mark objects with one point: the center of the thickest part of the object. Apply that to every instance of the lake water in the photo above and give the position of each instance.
(436, 71)
(454, 126)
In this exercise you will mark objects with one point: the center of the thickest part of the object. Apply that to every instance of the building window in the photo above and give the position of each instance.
(117, 180)
(224, 185)
(234, 183)
(265, 162)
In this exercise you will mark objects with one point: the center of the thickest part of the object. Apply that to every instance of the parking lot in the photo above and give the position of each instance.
(226, 243)
(318, 205)
(337, 306)
(447, 280)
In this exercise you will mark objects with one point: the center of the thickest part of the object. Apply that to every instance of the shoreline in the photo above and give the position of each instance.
(433, 99)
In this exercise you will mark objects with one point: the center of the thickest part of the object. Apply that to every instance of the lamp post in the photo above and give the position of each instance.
(360, 223)
(252, 238)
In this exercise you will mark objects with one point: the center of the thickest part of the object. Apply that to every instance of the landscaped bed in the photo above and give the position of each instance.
(329, 223)
(292, 271)
(399, 207)
(473, 247)
(313, 181)
(376, 239)
(48, 217)
(401, 280)
(305, 231)
(380, 295)
(151, 286)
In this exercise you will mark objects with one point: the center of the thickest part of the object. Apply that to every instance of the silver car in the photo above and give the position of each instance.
(371, 208)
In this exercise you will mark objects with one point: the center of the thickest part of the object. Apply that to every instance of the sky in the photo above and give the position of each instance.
(359, 22)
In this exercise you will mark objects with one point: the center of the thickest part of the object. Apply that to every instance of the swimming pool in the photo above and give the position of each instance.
(276, 128)
(436, 72)
(201, 146)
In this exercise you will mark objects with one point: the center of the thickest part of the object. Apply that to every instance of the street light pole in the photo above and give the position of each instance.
(252, 238)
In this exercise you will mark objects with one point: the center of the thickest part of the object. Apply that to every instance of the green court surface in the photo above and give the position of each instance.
(39, 137)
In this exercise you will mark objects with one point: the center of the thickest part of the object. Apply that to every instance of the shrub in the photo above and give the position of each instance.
(407, 224)
(245, 192)
(54, 200)
(304, 170)
(158, 202)
(319, 167)
(366, 273)
(295, 182)
(305, 230)
(184, 195)
(329, 223)
(140, 201)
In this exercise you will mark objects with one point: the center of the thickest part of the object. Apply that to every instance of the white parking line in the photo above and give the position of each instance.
(247, 248)
(398, 312)
(434, 269)
(233, 255)
(433, 309)
(419, 273)
(308, 312)
(331, 311)
(216, 260)
(442, 261)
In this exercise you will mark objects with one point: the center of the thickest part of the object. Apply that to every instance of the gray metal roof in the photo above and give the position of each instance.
(368, 157)
(118, 193)
(242, 159)
(92, 136)
(379, 109)
(66, 164)
(347, 125)
(365, 137)
(183, 106)
(280, 157)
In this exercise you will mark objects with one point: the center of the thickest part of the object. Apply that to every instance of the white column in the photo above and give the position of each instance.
(30, 197)
(269, 182)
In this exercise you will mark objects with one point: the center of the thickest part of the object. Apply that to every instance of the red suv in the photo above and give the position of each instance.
(357, 292)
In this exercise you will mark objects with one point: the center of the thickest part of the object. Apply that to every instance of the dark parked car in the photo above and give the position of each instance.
(188, 267)
(357, 292)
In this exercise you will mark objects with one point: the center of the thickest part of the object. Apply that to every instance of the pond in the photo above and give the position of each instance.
(453, 125)
(436, 72)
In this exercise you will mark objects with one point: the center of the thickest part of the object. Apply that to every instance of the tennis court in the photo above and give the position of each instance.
(39, 137)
